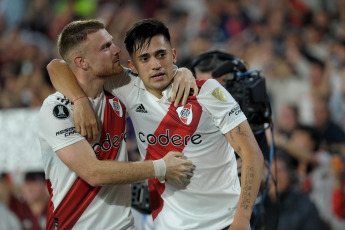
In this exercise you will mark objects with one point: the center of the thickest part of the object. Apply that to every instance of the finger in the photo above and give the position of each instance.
(189, 174)
(77, 128)
(89, 134)
(186, 94)
(83, 132)
(94, 133)
(192, 167)
(196, 90)
(179, 96)
(185, 181)
(188, 163)
(177, 154)
(174, 92)
(179, 182)
(183, 175)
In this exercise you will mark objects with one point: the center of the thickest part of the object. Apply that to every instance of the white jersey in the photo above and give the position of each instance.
(196, 129)
(73, 203)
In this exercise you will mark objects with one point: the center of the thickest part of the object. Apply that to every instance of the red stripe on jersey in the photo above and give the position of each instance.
(172, 123)
(50, 205)
(81, 194)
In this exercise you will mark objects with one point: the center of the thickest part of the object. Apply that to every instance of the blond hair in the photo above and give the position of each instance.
(74, 34)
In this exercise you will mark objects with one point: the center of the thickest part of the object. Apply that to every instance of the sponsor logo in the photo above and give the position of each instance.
(185, 114)
(60, 112)
(141, 109)
(116, 105)
(237, 110)
(165, 139)
(109, 142)
(219, 94)
(66, 132)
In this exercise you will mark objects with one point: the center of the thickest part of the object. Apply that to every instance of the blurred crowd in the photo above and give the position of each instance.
(298, 45)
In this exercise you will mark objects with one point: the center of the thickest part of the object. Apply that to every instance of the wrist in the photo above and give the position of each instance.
(160, 169)
(78, 98)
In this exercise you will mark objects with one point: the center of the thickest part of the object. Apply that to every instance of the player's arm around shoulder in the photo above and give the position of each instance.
(245, 145)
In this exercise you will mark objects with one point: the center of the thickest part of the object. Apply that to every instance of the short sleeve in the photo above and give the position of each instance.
(218, 102)
(56, 126)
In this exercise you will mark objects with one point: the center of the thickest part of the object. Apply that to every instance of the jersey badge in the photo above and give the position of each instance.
(115, 103)
(185, 113)
(219, 94)
(60, 112)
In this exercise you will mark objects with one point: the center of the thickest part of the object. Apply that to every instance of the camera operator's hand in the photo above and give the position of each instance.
(178, 170)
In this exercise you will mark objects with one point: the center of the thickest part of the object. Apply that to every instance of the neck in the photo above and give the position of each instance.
(91, 85)
(156, 93)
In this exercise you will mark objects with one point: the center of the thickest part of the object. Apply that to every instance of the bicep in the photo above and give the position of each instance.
(242, 139)
(79, 157)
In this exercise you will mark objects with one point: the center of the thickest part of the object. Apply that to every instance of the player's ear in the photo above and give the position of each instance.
(80, 62)
(132, 67)
(174, 55)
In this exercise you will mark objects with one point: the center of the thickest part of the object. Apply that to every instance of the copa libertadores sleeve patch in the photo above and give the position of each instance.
(219, 94)
(60, 112)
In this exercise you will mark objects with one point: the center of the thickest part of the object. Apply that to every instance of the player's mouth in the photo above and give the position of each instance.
(158, 75)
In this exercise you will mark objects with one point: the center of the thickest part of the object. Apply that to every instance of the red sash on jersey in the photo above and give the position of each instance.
(175, 125)
(81, 194)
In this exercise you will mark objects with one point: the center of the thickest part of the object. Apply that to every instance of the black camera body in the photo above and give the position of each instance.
(249, 91)
(248, 88)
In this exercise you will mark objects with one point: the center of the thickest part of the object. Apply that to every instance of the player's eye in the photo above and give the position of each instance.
(161, 55)
(143, 59)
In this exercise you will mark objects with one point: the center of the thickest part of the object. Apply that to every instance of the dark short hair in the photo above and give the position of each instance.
(291, 163)
(142, 30)
(312, 132)
(75, 33)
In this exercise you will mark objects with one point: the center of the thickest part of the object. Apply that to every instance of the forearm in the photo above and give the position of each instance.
(114, 172)
(250, 183)
(243, 141)
(64, 80)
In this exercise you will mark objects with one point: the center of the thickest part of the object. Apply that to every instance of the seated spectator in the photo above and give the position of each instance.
(286, 207)
(332, 136)
(29, 207)
(35, 194)
(287, 120)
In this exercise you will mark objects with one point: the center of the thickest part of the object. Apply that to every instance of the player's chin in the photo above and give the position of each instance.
(118, 70)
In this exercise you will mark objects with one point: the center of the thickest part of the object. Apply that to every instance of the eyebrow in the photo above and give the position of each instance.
(155, 53)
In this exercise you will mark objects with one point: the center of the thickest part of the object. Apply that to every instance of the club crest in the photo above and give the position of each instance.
(185, 113)
(115, 103)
